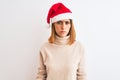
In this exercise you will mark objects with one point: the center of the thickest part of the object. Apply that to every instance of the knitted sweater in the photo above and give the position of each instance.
(60, 61)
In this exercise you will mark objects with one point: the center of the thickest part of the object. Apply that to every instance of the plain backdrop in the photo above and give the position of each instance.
(23, 29)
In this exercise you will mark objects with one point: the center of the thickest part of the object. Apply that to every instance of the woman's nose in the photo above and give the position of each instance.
(63, 26)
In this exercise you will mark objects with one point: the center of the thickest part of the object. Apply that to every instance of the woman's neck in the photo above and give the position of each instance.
(62, 40)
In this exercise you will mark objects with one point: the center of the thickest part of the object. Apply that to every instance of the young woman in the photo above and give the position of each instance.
(62, 57)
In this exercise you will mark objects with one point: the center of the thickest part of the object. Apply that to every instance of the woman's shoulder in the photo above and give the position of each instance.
(45, 44)
(79, 44)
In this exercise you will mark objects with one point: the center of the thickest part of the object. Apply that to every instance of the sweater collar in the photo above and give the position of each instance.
(61, 40)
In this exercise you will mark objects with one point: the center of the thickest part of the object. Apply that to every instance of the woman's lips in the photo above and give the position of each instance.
(62, 31)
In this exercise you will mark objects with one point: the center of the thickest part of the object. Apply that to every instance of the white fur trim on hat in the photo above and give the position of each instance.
(61, 17)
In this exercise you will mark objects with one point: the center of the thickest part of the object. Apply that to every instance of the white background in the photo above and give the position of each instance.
(23, 29)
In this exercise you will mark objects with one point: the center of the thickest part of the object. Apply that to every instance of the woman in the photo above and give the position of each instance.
(62, 58)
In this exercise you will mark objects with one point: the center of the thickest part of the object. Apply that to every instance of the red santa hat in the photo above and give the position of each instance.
(58, 12)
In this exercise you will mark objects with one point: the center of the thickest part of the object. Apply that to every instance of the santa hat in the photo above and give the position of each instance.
(58, 12)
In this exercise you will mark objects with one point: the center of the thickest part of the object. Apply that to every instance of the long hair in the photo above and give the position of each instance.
(72, 34)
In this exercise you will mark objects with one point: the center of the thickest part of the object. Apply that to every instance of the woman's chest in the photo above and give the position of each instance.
(58, 58)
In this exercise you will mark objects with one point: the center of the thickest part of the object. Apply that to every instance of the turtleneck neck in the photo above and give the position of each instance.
(61, 40)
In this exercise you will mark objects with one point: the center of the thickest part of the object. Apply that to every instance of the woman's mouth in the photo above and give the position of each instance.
(62, 31)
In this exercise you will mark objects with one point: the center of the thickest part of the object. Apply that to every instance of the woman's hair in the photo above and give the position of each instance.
(72, 34)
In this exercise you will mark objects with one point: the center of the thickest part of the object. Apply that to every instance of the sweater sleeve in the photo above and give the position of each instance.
(41, 74)
(81, 74)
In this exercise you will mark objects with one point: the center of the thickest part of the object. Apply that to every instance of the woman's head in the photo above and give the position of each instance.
(61, 21)
(63, 28)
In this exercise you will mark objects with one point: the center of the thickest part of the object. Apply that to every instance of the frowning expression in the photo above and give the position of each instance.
(62, 27)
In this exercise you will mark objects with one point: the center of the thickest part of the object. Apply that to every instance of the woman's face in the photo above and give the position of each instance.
(62, 27)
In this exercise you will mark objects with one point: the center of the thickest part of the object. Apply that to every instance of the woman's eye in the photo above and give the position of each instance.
(59, 22)
(67, 22)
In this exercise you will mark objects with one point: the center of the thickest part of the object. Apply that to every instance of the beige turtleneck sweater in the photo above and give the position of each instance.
(60, 61)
